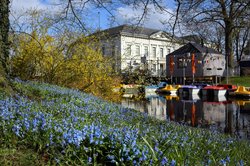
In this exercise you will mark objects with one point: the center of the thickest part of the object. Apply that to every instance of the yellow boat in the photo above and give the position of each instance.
(172, 97)
(241, 92)
(168, 89)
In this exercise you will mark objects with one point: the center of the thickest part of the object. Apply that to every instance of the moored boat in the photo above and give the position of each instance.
(169, 89)
(186, 90)
(172, 97)
(213, 91)
(228, 87)
(218, 90)
(241, 92)
(150, 90)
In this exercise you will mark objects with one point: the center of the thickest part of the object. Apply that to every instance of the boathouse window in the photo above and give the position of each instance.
(209, 69)
(181, 62)
(219, 68)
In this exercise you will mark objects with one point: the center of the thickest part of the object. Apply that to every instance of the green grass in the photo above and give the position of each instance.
(243, 81)
(20, 157)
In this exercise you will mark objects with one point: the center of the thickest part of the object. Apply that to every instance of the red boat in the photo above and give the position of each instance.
(218, 90)
(228, 87)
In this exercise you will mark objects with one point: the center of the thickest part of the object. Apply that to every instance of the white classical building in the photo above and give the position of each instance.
(137, 47)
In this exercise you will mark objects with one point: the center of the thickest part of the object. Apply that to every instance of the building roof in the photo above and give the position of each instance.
(132, 31)
(193, 48)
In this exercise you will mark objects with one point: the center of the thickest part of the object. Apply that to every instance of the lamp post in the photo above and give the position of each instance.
(171, 67)
(193, 66)
(227, 68)
(184, 65)
(158, 69)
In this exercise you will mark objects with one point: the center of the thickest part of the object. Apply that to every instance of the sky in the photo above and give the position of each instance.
(99, 17)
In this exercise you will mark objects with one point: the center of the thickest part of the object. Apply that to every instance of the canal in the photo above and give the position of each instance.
(217, 114)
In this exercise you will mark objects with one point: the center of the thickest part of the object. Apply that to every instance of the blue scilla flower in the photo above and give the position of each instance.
(111, 157)
(241, 163)
(26, 123)
(160, 152)
(223, 161)
(136, 151)
(144, 156)
(89, 160)
(78, 137)
(173, 163)
(16, 129)
(133, 143)
(164, 161)
(150, 162)
(156, 148)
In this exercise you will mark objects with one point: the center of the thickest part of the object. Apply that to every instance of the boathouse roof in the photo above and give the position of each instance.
(194, 48)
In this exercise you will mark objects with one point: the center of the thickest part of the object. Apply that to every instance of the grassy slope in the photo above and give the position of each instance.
(26, 156)
(20, 157)
(244, 81)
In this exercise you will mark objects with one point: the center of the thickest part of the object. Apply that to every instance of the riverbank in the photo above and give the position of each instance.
(243, 81)
(65, 126)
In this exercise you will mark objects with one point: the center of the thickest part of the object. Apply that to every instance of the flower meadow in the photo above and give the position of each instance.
(70, 127)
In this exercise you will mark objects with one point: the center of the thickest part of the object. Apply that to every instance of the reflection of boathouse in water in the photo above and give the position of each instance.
(188, 111)
(218, 115)
(223, 116)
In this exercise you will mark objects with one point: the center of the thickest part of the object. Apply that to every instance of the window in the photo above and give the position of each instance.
(161, 52)
(146, 51)
(137, 50)
(161, 68)
(154, 51)
(181, 62)
(128, 49)
(154, 67)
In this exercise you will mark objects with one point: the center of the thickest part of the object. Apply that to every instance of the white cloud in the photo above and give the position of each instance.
(154, 18)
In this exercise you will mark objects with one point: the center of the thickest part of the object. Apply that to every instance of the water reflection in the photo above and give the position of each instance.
(220, 114)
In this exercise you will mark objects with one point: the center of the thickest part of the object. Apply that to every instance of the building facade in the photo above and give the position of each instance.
(138, 48)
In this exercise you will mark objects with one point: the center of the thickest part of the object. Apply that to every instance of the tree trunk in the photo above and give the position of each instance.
(4, 43)
(229, 43)
(4, 32)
